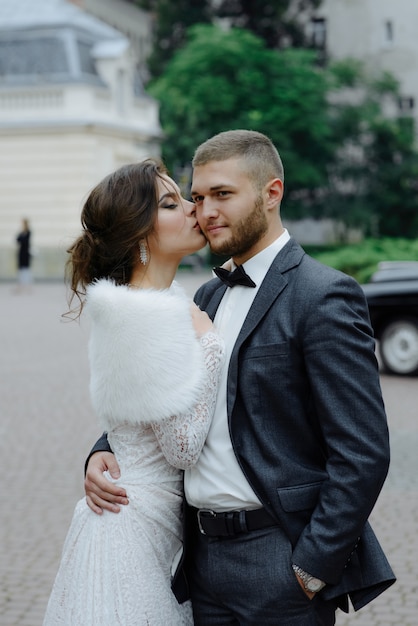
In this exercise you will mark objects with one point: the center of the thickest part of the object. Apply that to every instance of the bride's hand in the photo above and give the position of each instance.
(201, 321)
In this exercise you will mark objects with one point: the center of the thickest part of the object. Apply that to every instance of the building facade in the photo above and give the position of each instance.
(72, 109)
(381, 33)
(125, 17)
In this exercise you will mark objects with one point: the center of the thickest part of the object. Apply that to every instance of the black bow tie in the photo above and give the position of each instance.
(237, 277)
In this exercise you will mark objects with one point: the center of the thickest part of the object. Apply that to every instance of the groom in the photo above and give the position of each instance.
(298, 450)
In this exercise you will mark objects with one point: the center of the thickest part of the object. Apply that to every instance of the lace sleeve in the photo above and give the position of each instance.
(181, 437)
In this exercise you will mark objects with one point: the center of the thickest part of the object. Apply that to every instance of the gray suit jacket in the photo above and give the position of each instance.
(307, 419)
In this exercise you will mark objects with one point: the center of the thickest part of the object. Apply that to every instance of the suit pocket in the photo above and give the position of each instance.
(300, 497)
(267, 350)
(295, 506)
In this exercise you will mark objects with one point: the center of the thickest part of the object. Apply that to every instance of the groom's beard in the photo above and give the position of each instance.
(244, 233)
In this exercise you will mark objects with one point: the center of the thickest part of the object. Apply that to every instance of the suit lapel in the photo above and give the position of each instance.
(269, 291)
(271, 288)
(212, 305)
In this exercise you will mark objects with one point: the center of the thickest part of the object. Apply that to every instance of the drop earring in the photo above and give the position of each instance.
(143, 256)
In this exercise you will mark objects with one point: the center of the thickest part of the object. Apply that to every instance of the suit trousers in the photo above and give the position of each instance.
(248, 580)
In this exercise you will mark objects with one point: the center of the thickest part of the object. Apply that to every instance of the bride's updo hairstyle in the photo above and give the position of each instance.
(118, 213)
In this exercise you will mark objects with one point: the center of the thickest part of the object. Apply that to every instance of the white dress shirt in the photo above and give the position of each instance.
(217, 482)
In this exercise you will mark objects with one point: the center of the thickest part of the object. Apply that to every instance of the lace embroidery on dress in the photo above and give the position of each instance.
(182, 437)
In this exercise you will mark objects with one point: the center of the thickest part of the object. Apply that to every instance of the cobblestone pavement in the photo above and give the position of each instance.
(47, 428)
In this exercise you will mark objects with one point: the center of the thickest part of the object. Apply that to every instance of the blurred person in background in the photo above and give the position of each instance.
(24, 257)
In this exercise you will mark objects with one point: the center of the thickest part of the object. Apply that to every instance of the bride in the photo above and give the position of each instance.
(155, 360)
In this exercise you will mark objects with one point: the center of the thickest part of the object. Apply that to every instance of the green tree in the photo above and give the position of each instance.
(344, 158)
(170, 24)
(373, 180)
(392, 167)
(275, 21)
(229, 79)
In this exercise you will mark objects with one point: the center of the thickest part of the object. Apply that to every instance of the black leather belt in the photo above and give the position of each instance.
(232, 523)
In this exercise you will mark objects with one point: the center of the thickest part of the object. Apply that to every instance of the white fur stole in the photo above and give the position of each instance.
(146, 361)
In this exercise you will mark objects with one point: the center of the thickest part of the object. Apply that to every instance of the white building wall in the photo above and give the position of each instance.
(55, 145)
(382, 33)
(45, 176)
(59, 139)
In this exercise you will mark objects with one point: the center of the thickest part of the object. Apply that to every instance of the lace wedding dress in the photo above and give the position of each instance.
(116, 568)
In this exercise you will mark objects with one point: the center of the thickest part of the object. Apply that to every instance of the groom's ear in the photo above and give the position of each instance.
(274, 191)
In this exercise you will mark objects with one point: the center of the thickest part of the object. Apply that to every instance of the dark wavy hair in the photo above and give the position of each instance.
(118, 213)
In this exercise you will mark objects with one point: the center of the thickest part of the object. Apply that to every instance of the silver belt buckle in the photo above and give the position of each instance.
(211, 513)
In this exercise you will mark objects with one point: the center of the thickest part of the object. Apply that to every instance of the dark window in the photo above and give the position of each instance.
(389, 31)
(86, 61)
(46, 55)
(319, 33)
(406, 103)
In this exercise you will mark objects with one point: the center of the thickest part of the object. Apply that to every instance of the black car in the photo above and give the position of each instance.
(392, 296)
